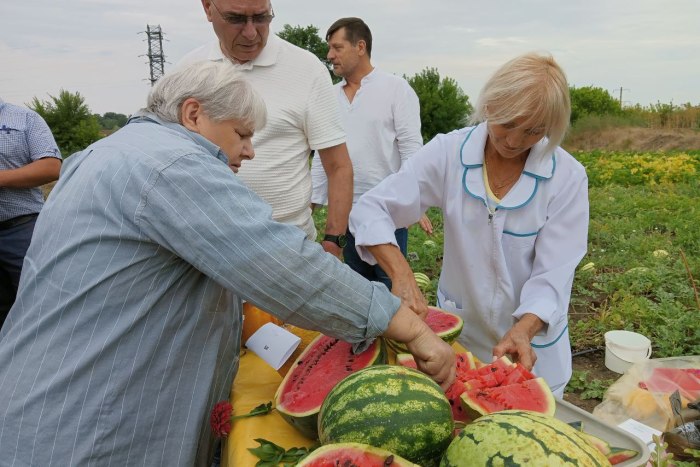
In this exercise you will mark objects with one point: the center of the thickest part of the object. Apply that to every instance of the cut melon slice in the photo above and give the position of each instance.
(533, 395)
(324, 363)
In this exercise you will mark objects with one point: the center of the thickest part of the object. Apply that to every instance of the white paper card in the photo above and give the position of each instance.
(273, 344)
(640, 430)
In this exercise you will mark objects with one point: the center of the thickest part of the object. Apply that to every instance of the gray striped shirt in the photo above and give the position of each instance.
(126, 328)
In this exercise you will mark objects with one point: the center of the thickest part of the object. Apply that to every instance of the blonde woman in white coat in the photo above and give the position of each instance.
(515, 208)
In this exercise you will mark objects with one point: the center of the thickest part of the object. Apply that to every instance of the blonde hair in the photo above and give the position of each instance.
(532, 86)
(223, 93)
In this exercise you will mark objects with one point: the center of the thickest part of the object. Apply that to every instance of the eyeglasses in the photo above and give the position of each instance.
(240, 21)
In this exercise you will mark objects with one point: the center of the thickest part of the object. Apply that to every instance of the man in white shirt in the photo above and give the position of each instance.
(381, 116)
(302, 115)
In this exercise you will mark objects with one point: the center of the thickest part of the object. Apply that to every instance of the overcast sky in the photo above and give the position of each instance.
(649, 48)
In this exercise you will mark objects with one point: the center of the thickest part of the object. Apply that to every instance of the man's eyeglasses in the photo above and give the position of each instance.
(240, 21)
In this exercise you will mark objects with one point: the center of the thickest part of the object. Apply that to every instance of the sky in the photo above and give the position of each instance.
(649, 48)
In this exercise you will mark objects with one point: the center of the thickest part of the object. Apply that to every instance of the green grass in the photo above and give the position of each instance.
(642, 206)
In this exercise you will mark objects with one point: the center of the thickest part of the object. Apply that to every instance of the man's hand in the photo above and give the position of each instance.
(426, 225)
(516, 342)
(433, 356)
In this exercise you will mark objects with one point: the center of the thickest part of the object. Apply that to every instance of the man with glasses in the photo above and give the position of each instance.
(303, 116)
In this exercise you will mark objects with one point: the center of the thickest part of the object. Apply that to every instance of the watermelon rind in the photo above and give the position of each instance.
(306, 422)
(521, 438)
(391, 407)
(538, 397)
(619, 455)
(353, 454)
(448, 335)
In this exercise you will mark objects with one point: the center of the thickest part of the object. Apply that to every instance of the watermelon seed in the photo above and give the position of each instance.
(389, 460)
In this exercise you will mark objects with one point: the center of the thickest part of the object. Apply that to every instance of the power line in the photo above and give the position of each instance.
(156, 59)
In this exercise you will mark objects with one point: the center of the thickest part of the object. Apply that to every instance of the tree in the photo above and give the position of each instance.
(308, 38)
(70, 120)
(443, 105)
(111, 120)
(590, 100)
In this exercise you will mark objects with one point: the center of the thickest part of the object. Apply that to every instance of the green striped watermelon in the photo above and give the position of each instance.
(446, 325)
(391, 407)
(325, 362)
(521, 438)
(353, 454)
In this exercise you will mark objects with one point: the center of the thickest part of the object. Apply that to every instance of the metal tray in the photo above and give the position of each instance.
(568, 412)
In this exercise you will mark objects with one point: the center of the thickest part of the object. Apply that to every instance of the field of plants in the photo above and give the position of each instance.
(643, 263)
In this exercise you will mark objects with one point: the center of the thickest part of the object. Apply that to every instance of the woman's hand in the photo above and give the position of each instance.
(516, 342)
(433, 356)
(406, 288)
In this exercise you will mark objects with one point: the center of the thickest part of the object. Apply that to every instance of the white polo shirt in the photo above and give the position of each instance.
(383, 130)
(302, 115)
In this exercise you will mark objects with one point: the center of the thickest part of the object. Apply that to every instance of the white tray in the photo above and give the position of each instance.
(568, 412)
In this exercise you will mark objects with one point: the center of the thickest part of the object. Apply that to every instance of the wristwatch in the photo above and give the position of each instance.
(340, 240)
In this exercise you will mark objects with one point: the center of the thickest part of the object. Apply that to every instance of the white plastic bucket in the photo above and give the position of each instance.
(624, 348)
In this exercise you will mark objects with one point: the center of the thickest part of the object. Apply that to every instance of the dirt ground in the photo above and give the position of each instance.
(594, 364)
(634, 139)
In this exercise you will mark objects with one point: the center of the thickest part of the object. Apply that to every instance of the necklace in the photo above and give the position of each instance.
(501, 187)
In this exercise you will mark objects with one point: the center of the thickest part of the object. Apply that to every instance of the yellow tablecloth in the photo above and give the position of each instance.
(256, 384)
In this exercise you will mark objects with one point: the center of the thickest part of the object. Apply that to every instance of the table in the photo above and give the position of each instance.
(255, 384)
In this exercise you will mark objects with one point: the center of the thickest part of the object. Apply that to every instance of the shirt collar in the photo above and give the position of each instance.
(538, 164)
(268, 56)
(146, 116)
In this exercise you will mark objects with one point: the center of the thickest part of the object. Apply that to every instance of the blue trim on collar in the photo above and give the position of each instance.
(549, 344)
(540, 177)
(532, 195)
(461, 148)
(508, 232)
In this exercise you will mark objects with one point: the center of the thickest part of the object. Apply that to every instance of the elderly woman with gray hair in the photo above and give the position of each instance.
(126, 328)
(515, 208)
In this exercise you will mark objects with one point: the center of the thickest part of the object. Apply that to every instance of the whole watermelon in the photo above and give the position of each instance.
(391, 407)
(521, 438)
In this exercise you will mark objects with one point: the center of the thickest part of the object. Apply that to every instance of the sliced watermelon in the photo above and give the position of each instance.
(407, 360)
(619, 455)
(353, 454)
(446, 325)
(453, 394)
(533, 395)
(324, 363)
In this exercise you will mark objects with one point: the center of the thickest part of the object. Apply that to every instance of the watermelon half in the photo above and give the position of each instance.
(533, 395)
(324, 363)
(446, 325)
(353, 454)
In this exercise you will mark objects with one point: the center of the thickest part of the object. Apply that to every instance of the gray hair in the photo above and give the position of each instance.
(223, 93)
(532, 86)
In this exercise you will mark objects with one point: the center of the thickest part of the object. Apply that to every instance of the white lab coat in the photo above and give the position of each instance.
(495, 267)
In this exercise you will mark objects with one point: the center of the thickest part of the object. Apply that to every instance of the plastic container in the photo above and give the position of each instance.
(624, 348)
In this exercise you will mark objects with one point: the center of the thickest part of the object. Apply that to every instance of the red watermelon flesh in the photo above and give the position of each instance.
(324, 363)
(533, 394)
(447, 326)
(352, 454)
(453, 393)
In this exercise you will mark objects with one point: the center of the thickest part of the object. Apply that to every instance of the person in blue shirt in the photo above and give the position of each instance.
(126, 329)
(29, 158)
